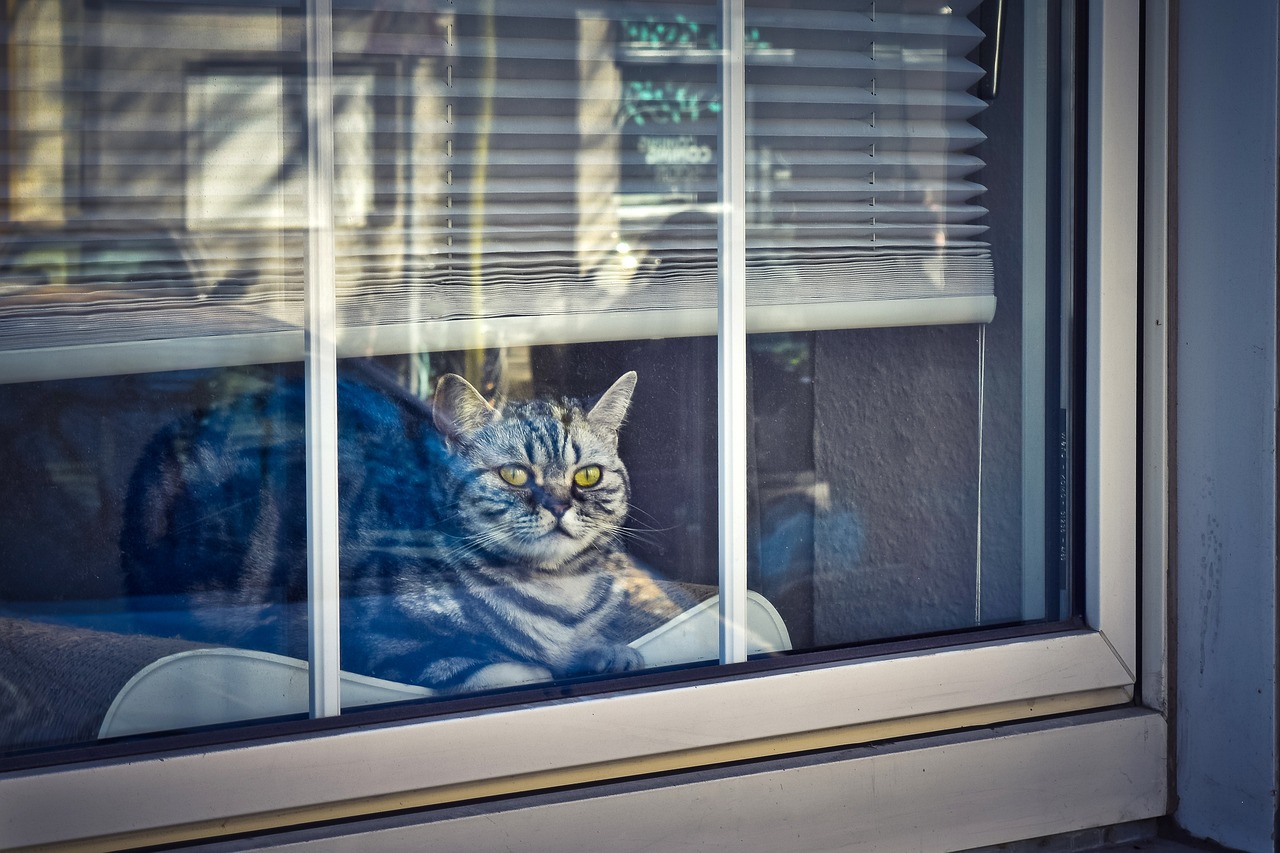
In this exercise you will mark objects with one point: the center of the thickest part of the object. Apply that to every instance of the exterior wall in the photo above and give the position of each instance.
(1225, 391)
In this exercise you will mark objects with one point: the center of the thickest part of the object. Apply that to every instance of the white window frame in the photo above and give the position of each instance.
(1099, 766)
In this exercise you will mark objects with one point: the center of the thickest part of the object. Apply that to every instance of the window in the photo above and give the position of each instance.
(868, 450)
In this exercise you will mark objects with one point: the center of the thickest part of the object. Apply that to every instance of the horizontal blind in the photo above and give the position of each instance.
(506, 172)
(862, 143)
(581, 150)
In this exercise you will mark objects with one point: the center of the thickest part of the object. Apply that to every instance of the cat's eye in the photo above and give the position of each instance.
(587, 476)
(515, 475)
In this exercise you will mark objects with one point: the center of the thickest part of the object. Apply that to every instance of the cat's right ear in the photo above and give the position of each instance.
(611, 409)
(458, 409)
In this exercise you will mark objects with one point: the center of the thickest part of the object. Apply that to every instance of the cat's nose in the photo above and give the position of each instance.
(556, 506)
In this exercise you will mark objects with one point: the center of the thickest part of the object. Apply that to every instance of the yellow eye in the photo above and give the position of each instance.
(587, 476)
(516, 475)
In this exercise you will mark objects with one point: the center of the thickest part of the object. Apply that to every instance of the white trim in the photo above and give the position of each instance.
(731, 337)
(321, 372)
(946, 793)
(1111, 358)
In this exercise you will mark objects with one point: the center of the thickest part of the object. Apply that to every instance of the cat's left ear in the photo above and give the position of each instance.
(611, 409)
(458, 408)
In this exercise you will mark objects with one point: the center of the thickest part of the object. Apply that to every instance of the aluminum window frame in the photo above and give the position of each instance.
(364, 771)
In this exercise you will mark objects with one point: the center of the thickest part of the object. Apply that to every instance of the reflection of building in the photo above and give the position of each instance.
(544, 177)
(191, 121)
(584, 147)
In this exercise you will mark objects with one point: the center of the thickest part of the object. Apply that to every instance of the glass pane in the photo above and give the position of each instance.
(151, 287)
(898, 470)
(501, 523)
(526, 216)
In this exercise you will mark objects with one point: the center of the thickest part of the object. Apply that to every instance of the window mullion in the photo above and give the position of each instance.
(732, 340)
(321, 371)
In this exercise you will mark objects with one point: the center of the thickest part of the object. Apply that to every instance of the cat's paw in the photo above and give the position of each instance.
(505, 675)
(613, 658)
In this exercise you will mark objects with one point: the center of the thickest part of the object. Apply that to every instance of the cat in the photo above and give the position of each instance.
(478, 545)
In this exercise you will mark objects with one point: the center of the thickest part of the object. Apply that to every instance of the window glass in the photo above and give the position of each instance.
(531, 215)
(898, 438)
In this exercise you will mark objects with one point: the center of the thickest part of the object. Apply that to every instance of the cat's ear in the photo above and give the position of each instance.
(458, 409)
(610, 410)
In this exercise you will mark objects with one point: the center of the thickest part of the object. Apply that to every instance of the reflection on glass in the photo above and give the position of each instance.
(127, 535)
(484, 546)
(150, 268)
(546, 538)
(525, 214)
(887, 462)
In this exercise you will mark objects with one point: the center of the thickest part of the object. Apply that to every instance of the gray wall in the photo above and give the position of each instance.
(1225, 385)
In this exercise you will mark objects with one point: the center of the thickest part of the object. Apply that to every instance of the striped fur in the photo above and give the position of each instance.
(451, 576)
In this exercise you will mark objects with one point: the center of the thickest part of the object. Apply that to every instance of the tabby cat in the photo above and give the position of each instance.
(479, 545)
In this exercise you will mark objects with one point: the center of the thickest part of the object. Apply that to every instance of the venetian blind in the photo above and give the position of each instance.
(506, 172)
(861, 160)
(581, 157)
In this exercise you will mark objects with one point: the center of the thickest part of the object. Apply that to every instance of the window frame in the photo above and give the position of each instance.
(741, 714)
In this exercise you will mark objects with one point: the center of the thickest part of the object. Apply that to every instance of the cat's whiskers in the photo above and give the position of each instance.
(647, 536)
(510, 535)
(469, 543)
(639, 524)
(635, 510)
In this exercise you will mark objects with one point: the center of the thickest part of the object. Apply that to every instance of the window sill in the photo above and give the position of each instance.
(947, 792)
(361, 771)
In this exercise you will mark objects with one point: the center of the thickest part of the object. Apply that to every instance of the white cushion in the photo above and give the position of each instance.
(203, 687)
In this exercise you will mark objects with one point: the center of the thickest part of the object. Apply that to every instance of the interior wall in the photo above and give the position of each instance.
(897, 445)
